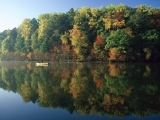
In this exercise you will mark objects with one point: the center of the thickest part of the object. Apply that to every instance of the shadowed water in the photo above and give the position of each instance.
(91, 91)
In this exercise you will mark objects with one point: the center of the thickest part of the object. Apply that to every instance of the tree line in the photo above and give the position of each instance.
(116, 33)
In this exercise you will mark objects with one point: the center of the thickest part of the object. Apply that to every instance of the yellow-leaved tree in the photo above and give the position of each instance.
(80, 41)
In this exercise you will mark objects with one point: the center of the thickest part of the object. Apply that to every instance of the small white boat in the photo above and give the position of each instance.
(42, 64)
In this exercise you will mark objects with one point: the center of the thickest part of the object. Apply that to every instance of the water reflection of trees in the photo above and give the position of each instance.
(116, 89)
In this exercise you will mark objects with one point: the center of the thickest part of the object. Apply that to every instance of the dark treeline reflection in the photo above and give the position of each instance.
(114, 89)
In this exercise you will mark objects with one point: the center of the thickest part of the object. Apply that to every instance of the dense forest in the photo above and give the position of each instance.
(114, 33)
(115, 89)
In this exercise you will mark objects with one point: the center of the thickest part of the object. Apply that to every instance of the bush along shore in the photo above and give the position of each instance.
(32, 56)
(111, 33)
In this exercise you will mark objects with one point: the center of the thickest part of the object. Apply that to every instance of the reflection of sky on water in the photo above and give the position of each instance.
(12, 107)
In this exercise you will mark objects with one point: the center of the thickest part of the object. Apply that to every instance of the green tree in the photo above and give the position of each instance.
(138, 22)
(19, 45)
(119, 40)
(43, 46)
(27, 45)
(8, 42)
(5, 45)
(151, 44)
(70, 14)
(34, 41)
(3, 35)
(34, 25)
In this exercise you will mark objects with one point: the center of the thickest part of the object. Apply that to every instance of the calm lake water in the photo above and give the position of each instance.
(79, 91)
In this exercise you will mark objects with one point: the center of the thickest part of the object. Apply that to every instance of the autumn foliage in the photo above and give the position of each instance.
(115, 55)
(99, 41)
(127, 34)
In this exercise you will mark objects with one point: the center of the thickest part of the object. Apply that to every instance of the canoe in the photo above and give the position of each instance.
(41, 64)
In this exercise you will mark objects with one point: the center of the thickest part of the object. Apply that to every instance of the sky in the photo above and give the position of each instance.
(13, 12)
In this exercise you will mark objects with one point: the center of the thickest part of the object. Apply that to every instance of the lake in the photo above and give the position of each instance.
(79, 91)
